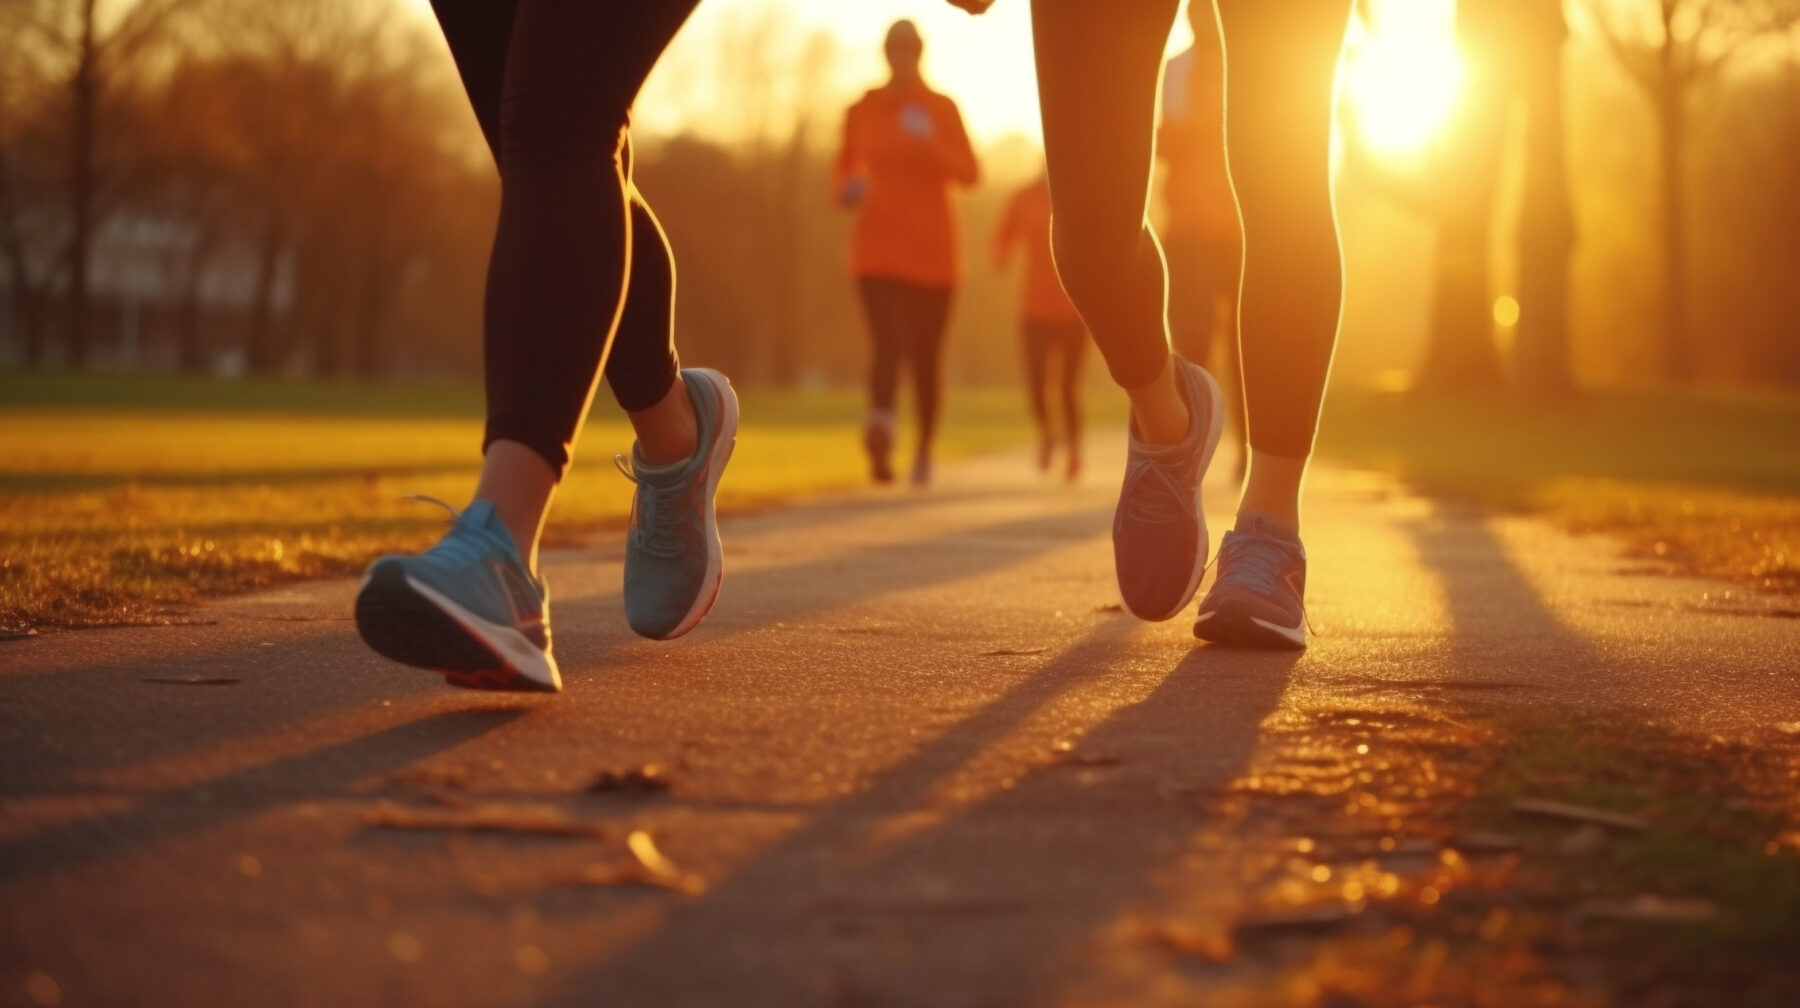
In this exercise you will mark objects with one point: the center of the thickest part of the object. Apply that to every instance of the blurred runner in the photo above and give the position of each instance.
(1099, 66)
(904, 149)
(1050, 329)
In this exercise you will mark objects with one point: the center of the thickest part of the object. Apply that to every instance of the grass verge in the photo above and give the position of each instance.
(1699, 907)
(1708, 484)
(123, 499)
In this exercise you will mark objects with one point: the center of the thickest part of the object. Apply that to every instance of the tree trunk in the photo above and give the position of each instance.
(1460, 354)
(81, 187)
(1677, 363)
(28, 312)
(1671, 119)
(261, 355)
(1541, 364)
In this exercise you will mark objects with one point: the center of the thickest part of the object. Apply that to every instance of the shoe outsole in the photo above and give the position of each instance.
(721, 451)
(400, 622)
(1205, 543)
(1233, 628)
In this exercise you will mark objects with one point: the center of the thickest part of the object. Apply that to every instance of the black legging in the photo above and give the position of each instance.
(906, 322)
(1098, 69)
(579, 262)
(1066, 342)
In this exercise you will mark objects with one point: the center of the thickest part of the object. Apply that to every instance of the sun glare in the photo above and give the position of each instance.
(1402, 75)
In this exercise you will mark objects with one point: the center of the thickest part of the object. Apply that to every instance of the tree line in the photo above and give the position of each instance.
(298, 188)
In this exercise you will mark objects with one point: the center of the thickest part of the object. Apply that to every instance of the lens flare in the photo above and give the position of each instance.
(1402, 75)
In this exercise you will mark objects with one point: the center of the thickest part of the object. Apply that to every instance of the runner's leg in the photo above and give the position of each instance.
(1280, 67)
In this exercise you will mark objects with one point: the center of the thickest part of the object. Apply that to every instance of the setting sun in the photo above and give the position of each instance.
(1402, 75)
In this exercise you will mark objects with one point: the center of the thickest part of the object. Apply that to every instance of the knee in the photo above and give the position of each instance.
(1092, 257)
(549, 130)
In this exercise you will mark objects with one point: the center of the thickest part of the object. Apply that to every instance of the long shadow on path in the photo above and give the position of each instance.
(51, 725)
(243, 793)
(984, 905)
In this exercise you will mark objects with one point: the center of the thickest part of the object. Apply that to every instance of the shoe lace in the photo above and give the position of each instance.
(1255, 562)
(1161, 503)
(655, 513)
(452, 548)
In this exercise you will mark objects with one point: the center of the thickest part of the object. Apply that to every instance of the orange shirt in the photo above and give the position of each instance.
(1027, 223)
(907, 228)
(1191, 144)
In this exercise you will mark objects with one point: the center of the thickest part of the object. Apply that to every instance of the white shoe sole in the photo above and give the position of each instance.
(511, 648)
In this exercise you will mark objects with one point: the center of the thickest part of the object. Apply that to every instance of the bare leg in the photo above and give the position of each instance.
(1280, 65)
(1099, 65)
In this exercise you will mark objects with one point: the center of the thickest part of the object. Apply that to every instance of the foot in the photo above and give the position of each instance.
(921, 472)
(878, 441)
(1258, 599)
(1159, 532)
(673, 561)
(469, 608)
(1046, 452)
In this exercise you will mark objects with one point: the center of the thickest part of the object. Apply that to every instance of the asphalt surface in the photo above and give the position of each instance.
(916, 756)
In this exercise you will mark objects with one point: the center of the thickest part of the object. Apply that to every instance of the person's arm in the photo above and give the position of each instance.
(847, 180)
(1009, 234)
(950, 147)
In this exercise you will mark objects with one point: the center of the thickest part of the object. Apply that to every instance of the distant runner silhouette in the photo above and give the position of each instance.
(1050, 329)
(904, 149)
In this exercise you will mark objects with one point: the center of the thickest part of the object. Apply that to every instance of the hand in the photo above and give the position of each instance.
(853, 191)
(916, 121)
(972, 6)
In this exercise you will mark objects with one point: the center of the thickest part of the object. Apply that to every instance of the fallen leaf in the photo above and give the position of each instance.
(646, 779)
(540, 820)
(1012, 652)
(1482, 842)
(1317, 917)
(1649, 909)
(621, 875)
(1577, 813)
(1588, 840)
(1110, 607)
(1187, 940)
(643, 847)
(191, 681)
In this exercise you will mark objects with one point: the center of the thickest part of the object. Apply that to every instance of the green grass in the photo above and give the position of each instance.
(1722, 815)
(123, 499)
(1704, 482)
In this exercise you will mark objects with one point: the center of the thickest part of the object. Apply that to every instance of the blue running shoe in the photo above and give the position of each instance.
(468, 608)
(673, 562)
(1259, 597)
(1159, 531)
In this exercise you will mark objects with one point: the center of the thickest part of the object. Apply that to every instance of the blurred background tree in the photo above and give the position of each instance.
(297, 188)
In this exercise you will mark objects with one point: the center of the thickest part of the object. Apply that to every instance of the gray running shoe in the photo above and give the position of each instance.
(673, 561)
(468, 608)
(1259, 597)
(1159, 530)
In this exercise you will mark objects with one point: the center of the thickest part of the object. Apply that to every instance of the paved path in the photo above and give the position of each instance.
(917, 756)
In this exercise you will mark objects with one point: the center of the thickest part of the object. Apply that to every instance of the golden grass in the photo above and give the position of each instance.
(126, 514)
(1706, 482)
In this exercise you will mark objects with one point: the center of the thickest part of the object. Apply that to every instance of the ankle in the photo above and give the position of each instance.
(1159, 412)
(669, 431)
(1272, 489)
